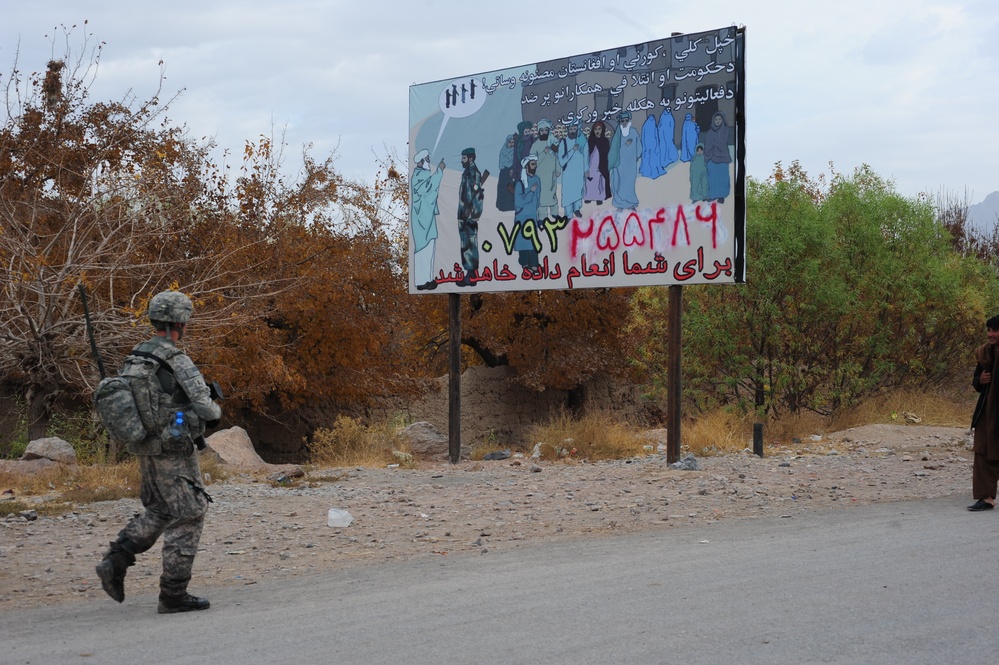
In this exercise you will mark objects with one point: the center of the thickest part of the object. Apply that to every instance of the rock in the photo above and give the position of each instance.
(234, 447)
(50, 448)
(425, 441)
(285, 473)
(688, 463)
(499, 454)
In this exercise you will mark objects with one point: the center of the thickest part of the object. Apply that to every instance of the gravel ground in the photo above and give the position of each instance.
(256, 531)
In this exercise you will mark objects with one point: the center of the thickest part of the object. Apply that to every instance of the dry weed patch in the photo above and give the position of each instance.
(352, 443)
(723, 431)
(903, 407)
(716, 433)
(56, 489)
(594, 436)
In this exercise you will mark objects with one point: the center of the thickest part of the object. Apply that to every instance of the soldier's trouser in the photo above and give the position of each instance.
(468, 234)
(175, 503)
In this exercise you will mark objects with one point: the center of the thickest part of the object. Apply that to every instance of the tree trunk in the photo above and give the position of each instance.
(39, 400)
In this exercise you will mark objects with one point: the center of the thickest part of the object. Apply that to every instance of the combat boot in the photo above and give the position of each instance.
(112, 570)
(185, 603)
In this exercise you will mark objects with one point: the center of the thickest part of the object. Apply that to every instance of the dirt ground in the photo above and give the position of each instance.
(256, 532)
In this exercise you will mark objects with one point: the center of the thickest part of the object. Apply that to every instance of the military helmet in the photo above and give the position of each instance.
(170, 307)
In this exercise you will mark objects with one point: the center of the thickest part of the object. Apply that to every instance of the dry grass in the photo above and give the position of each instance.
(716, 433)
(594, 436)
(351, 443)
(57, 489)
(934, 409)
(723, 431)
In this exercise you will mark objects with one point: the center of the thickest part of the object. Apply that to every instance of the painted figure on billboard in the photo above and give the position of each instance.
(469, 211)
(597, 173)
(689, 138)
(717, 157)
(651, 157)
(506, 178)
(523, 148)
(548, 170)
(625, 154)
(426, 186)
(667, 144)
(698, 176)
(572, 153)
(526, 197)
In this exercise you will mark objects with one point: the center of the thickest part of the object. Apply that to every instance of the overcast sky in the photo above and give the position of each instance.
(908, 87)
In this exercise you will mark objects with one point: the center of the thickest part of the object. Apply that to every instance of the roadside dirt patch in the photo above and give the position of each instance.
(256, 531)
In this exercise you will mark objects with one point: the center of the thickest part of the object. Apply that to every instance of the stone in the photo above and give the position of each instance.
(425, 441)
(50, 448)
(234, 448)
(688, 463)
(498, 454)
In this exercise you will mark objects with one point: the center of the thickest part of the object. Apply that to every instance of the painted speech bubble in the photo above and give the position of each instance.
(459, 98)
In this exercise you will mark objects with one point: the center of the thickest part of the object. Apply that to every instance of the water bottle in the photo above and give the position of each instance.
(177, 428)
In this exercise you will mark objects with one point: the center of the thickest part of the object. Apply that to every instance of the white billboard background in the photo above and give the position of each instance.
(654, 201)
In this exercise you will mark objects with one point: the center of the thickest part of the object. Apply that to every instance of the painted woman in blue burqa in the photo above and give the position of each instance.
(668, 154)
(651, 161)
(717, 158)
(506, 179)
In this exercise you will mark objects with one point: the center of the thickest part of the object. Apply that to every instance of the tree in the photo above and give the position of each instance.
(851, 289)
(79, 184)
(97, 194)
(338, 332)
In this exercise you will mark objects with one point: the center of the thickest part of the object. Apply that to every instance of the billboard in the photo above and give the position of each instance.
(621, 167)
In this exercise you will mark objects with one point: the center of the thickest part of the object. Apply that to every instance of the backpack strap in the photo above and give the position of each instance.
(153, 356)
(161, 353)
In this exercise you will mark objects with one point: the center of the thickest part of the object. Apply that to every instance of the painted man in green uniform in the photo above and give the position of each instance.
(469, 211)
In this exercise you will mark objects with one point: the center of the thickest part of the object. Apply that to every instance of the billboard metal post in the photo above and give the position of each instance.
(674, 386)
(454, 378)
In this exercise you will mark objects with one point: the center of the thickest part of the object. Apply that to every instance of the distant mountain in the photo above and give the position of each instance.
(982, 216)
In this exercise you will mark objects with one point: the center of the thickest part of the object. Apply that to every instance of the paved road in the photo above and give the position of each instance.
(893, 583)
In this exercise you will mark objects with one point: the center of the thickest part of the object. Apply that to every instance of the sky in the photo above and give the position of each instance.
(906, 87)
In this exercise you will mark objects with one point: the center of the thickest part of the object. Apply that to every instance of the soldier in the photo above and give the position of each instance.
(171, 490)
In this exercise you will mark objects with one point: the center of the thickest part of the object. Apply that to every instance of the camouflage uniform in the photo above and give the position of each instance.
(171, 489)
